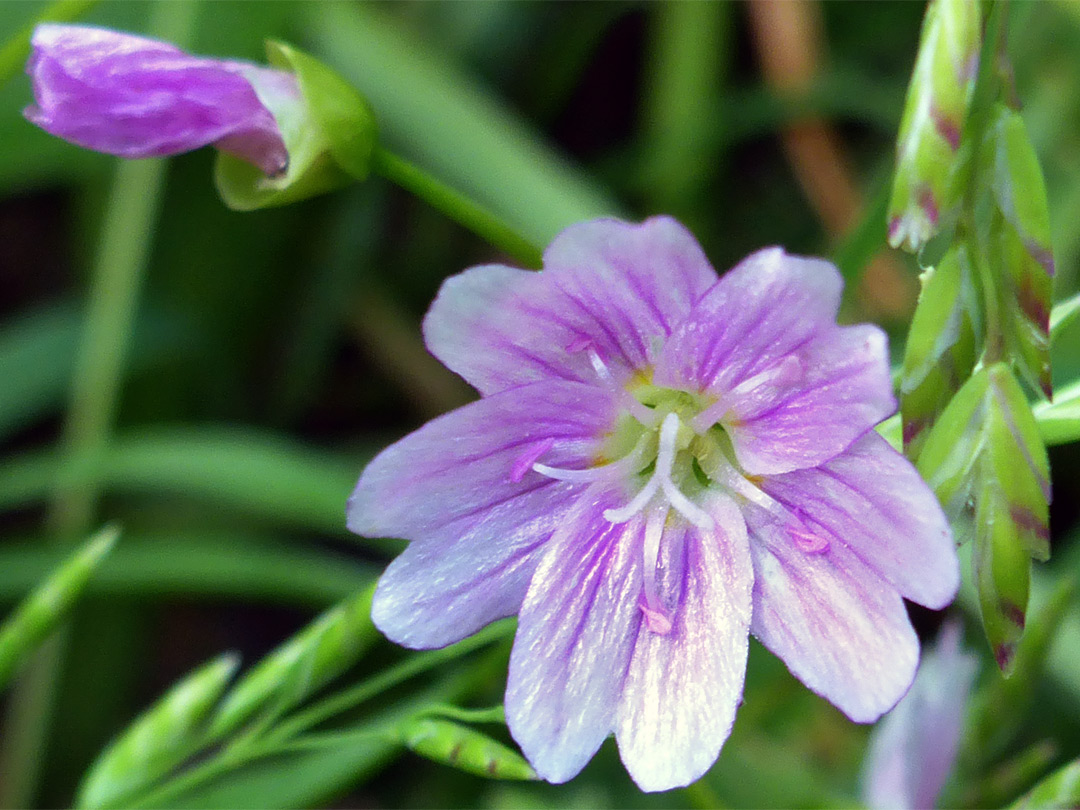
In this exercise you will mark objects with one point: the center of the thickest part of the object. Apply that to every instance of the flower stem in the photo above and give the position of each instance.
(128, 225)
(455, 205)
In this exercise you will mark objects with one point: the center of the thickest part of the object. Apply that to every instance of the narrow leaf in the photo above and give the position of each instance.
(159, 739)
(464, 748)
(988, 465)
(934, 113)
(1059, 790)
(313, 657)
(941, 346)
(43, 609)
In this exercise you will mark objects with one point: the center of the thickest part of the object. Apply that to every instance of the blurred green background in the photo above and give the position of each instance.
(273, 353)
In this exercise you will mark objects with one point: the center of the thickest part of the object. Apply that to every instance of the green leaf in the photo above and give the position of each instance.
(328, 129)
(313, 657)
(1015, 241)
(941, 346)
(254, 471)
(159, 739)
(1059, 422)
(464, 748)
(432, 112)
(986, 461)
(1059, 790)
(43, 609)
(934, 114)
(229, 563)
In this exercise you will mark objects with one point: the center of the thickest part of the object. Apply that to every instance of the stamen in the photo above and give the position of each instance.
(808, 542)
(646, 416)
(598, 365)
(529, 455)
(783, 374)
(613, 470)
(657, 618)
(616, 468)
(794, 525)
(710, 416)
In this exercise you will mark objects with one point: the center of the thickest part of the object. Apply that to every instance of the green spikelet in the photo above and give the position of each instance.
(307, 661)
(43, 609)
(464, 748)
(1014, 235)
(934, 114)
(941, 346)
(159, 739)
(987, 463)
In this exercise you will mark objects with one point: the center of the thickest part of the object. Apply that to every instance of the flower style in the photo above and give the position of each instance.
(661, 463)
(135, 97)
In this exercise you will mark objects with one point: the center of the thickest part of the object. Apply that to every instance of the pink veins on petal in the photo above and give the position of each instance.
(662, 462)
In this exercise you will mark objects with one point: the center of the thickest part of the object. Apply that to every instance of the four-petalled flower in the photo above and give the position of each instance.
(661, 463)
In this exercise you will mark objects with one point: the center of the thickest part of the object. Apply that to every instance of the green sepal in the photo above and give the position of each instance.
(941, 346)
(330, 133)
(159, 739)
(307, 661)
(48, 604)
(987, 463)
(938, 97)
(1061, 789)
(1015, 240)
(342, 115)
(464, 748)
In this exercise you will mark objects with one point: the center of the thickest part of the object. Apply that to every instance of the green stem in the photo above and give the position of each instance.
(131, 211)
(16, 50)
(455, 205)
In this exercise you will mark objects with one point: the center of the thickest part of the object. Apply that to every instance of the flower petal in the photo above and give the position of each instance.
(792, 388)
(607, 285)
(576, 632)
(841, 629)
(913, 749)
(476, 531)
(871, 500)
(681, 691)
(135, 97)
(760, 311)
(843, 391)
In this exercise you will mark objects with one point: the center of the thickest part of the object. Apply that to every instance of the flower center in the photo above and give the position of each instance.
(670, 448)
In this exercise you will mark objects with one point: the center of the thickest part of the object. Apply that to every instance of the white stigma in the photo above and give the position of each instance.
(661, 479)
